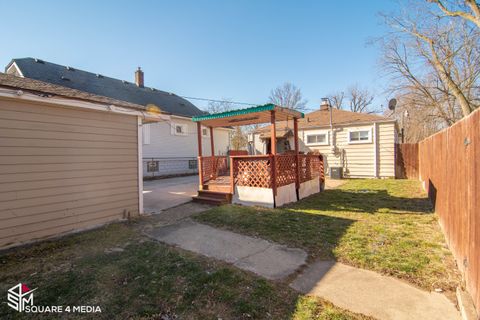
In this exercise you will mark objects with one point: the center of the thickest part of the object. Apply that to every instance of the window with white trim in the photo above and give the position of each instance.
(179, 129)
(317, 139)
(205, 132)
(360, 136)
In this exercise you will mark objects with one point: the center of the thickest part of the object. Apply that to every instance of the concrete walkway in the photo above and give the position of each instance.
(372, 294)
(267, 259)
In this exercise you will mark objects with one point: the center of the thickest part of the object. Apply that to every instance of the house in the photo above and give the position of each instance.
(362, 145)
(70, 160)
(169, 146)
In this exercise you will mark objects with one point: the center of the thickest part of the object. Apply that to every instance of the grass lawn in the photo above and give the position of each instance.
(142, 279)
(381, 225)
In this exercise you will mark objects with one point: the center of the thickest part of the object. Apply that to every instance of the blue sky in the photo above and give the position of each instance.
(238, 50)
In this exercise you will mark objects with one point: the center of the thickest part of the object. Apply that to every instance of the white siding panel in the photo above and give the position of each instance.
(387, 150)
(165, 144)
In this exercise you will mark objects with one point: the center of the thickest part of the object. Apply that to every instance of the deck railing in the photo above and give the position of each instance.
(212, 167)
(257, 171)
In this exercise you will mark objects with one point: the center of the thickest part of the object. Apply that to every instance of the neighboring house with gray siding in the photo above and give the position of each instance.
(169, 147)
(363, 145)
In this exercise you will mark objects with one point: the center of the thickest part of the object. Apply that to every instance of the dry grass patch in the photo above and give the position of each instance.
(131, 277)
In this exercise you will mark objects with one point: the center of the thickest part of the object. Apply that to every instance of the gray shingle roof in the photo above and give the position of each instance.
(11, 81)
(104, 86)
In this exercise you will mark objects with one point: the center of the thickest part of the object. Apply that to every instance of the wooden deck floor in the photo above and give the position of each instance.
(220, 184)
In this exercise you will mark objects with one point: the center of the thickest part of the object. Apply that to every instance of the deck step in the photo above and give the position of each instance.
(209, 200)
(214, 194)
(213, 197)
(225, 188)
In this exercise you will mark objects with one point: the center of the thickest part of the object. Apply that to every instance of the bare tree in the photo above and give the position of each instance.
(360, 99)
(219, 106)
(239, 139)
(467, 9)
(289, 96)
(336, 99)
(445, 47)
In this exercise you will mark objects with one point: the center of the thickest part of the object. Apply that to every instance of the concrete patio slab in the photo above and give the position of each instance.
(162, 194)
(267, 259)
(372, 294)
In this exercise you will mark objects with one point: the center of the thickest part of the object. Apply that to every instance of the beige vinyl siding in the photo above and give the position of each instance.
(357, 160)
(64, 169)
(386, 145)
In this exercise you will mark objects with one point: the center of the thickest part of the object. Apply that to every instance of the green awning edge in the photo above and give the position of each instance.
(226, 114)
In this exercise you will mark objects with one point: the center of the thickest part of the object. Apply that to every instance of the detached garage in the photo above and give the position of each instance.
(68, 161)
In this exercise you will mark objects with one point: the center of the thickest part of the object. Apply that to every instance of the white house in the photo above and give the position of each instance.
(169, 147)
(362, 145)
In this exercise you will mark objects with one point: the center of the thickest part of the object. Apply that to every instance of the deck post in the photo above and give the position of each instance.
(212, 152)
(273, 151)
(297, 162)
(212, 146)
(200, 168)
(273, 135)
(232, 182)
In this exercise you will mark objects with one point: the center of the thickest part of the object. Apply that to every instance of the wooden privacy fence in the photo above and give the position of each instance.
(406, 161)
(449, 167)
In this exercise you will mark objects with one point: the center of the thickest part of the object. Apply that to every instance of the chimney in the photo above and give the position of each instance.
(325, 105)
(139, 77)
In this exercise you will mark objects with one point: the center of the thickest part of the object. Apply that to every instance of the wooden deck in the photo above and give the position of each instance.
(220, 184)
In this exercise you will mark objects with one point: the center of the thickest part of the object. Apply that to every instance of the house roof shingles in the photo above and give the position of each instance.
(321, 118)
(14, 82)
(104, 86)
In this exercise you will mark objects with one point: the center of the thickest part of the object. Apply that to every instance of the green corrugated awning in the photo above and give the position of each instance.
(253, 115)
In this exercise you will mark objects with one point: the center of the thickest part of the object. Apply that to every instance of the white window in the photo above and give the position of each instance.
(360, 136)
(317, 139)
(146, 133)
(179, 129)
(205, 132)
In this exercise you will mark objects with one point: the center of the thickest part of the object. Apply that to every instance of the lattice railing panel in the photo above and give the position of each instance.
(252, 172)
(286, 169)
(221, 166)
(212, 167)
(311, 166)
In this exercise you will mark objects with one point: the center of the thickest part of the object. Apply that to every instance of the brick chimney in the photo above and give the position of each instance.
(139, 77)
(325, 105)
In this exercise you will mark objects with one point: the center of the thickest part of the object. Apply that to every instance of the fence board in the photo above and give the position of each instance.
(406, 161)
(449, 167)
